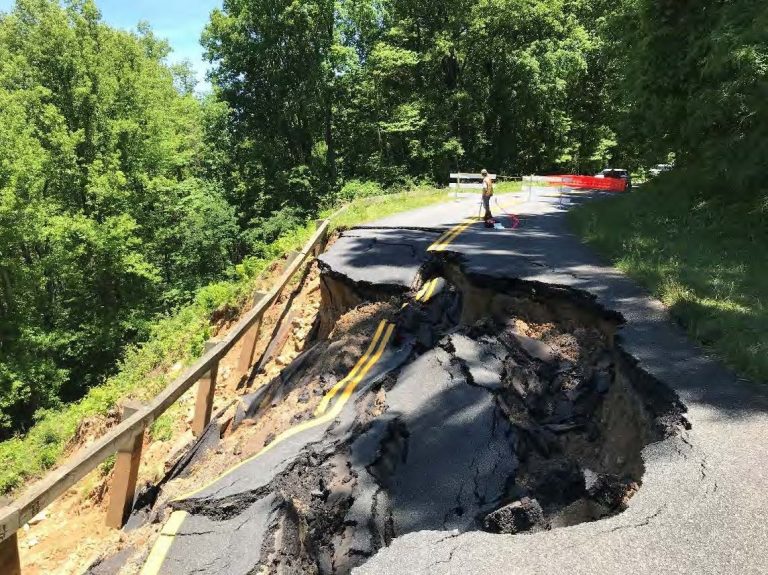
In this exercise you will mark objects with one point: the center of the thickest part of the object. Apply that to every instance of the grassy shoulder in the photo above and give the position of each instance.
(704, 258)
(381, 206)
(176, 341)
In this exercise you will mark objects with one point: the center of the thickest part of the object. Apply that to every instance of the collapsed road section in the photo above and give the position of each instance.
(480, 404)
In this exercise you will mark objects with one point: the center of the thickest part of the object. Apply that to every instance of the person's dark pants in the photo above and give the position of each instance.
(487, 206)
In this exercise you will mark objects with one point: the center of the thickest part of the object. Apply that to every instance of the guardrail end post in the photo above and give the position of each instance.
(9, 556)
(126, 473)
(206, 388)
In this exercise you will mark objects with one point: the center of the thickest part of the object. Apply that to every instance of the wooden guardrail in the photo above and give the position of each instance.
(126, 439)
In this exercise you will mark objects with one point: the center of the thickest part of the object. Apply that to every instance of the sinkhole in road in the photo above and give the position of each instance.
(512, 408)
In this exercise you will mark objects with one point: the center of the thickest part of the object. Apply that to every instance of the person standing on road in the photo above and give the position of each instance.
(487, 195)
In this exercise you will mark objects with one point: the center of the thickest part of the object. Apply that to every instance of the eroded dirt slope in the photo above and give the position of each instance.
(80, 513)
(529, 417)
(496, 405)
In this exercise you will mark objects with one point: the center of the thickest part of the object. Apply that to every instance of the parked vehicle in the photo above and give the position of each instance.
(617, 173)
(659, 168)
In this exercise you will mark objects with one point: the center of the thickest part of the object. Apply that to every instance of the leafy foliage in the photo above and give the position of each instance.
(125, 197)
(356, 189)
(696, 81)
(104, 220)
(388, 90)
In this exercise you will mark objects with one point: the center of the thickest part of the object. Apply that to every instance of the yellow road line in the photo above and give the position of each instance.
(426, 290)
(360, 362)
(443, 243)
(352, 385)
(431, 290)
(163, 544)
(444, 235)
(165, 539)
(446, 239)
(422, 291)
(339, 405)
(384, 325)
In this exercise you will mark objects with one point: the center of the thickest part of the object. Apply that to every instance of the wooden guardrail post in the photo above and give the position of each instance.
(126, 473)
(206, 389)
(249, 341)
(290, 257)
(126, 438)
(9, 556)
(319, 246)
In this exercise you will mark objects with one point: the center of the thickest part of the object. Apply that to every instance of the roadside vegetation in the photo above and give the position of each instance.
(174, 342)
(132, 207)
(704, 258)
(696, 236)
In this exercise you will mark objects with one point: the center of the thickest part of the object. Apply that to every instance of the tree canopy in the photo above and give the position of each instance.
(323, 92)
(105, 218)
(123, 191)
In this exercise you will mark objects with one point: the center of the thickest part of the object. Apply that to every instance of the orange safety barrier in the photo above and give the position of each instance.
(583, 182)
(593, 183)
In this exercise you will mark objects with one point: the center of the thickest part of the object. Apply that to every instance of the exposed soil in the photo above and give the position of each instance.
(81, 512)
(577, 413)
(296, 401)
(519, 395)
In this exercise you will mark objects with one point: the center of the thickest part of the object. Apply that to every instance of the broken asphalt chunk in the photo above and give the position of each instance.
(523, 515)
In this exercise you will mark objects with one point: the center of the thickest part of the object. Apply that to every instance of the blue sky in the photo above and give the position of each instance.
(179, 21)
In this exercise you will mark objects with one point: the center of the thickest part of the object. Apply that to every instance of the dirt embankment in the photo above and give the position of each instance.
(80, 513)
(517, 400)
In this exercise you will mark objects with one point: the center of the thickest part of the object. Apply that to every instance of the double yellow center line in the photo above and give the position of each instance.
(361, 368)
(445, 240)
(427, 290)
(322, 414)
(447, 237)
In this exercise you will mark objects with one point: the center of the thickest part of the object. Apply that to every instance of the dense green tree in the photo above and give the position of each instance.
(395, 89)
(695, 86)
(122, 191)
(275, 74)
(104, 220)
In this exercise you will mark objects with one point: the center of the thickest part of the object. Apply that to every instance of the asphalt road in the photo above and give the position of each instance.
(442, 451)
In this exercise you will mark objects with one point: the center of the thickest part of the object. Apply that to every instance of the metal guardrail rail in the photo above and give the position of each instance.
(126, 438)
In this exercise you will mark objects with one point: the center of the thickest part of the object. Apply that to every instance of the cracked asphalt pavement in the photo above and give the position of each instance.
(405, 490)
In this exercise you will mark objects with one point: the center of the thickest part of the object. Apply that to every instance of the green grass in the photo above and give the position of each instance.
(508, 187)
(162, 428)
(373, 208)
(175, 339)
(704, 258)
(369, 209)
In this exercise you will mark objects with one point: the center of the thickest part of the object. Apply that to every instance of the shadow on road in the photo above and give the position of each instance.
(542, 250)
